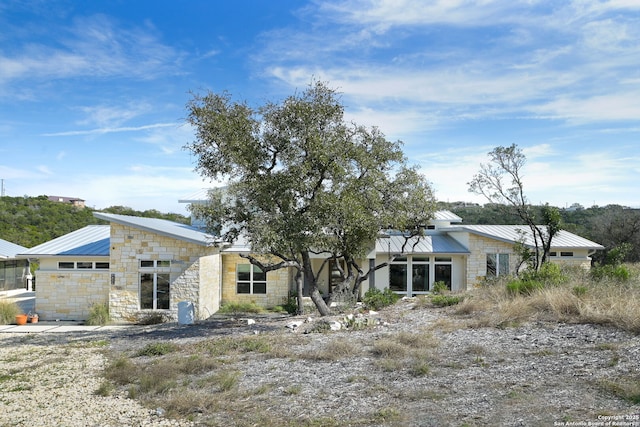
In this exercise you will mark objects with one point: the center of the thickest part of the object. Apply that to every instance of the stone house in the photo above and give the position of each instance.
(141, 265)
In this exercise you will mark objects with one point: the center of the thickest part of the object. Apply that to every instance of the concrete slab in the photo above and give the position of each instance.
(28, 329)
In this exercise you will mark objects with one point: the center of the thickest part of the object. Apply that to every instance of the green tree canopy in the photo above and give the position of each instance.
(302, 180)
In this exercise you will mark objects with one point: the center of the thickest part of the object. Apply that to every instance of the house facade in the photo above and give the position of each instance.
(143, 265)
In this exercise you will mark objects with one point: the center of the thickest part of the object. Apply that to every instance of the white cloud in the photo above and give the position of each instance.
(101, 131)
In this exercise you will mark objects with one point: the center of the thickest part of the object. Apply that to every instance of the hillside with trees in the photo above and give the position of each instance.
(30, 221)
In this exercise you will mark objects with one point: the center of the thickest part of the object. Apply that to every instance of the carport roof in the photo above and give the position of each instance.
(9, 250)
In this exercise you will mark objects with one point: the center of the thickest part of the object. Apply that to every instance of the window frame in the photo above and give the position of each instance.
(252, 282)
(498, 264)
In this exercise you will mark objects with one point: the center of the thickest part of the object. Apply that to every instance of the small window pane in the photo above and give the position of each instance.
(398, 277)
(566, 253)
(419, 258)
(164, 263)
(162, 291)
(244, 288)
(146, 263)
(260, 288)
(244, 272)
(102, 265)
(503, 261)
(63, 265)
(259, 275)
(85, 265)
(443, 259)
(491, 265)
(146, 291)
(420, 278)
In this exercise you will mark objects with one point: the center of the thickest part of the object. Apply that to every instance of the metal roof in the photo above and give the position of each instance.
(430, 244)
(9, 250)
(515, 233)
(92, 240)
(446, 216)
(163, 227)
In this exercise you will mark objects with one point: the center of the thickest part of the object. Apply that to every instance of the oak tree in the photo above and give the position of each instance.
(303, 183)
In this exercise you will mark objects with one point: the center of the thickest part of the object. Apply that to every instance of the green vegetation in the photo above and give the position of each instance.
(237, 308)
(375, 299)
(98, 315)
(8, 311)
(157, 349)
(30, 221)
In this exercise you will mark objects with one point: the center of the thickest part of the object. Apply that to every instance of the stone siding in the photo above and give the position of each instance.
(69, 295)
(130, 245)
(479, 247)
(278, 284)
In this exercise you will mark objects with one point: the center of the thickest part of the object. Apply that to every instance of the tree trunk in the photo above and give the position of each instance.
(300, 290)
(316, 297)
(310, 279)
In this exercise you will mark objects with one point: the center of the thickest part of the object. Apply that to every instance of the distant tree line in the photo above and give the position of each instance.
(30, 221)
(613, 226)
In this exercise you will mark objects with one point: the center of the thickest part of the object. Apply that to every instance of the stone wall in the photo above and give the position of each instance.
(278, 284)
(68, 295)
(130, 245)
(479, 247)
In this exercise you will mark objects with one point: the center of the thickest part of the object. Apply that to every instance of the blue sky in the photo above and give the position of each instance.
(93, 93)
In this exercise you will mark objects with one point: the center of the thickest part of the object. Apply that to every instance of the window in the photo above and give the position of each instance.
(567, 254)
(553, 253)
(398, 275)
(250, 279)
(155, 285)
(154, 291)
(83, 265)
(443, 271)
(147, 263)
(497, 265)
(420, 274)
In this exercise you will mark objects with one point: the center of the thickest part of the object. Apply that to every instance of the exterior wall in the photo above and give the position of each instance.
(580, 258)
(479, 247)
(279, 284)
(130, 245)
(69, 294)
(200, 284)
(458, 271)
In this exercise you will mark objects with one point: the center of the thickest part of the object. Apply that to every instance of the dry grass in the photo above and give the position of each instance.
(578, 300)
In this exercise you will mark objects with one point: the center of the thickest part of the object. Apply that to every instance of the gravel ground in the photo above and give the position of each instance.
(535, 374)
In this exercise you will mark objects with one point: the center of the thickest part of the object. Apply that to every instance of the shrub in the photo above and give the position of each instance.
(157, 349)
(446, 300)
(240, 308)
(291, 306)
(98, 315)
(8, 311)
(615, 272)
(523, 286)
(439, 287)
(375, 299)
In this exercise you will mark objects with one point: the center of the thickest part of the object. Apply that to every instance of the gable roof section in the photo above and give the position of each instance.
(429, 244)
(514, 233)
(163, 227)
(10, 250)
(92, 240)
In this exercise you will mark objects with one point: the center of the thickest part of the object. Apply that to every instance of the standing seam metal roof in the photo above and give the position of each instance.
(514, 233)
(429, 244)
(160, 226)
(92, 240)
(9, 250)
